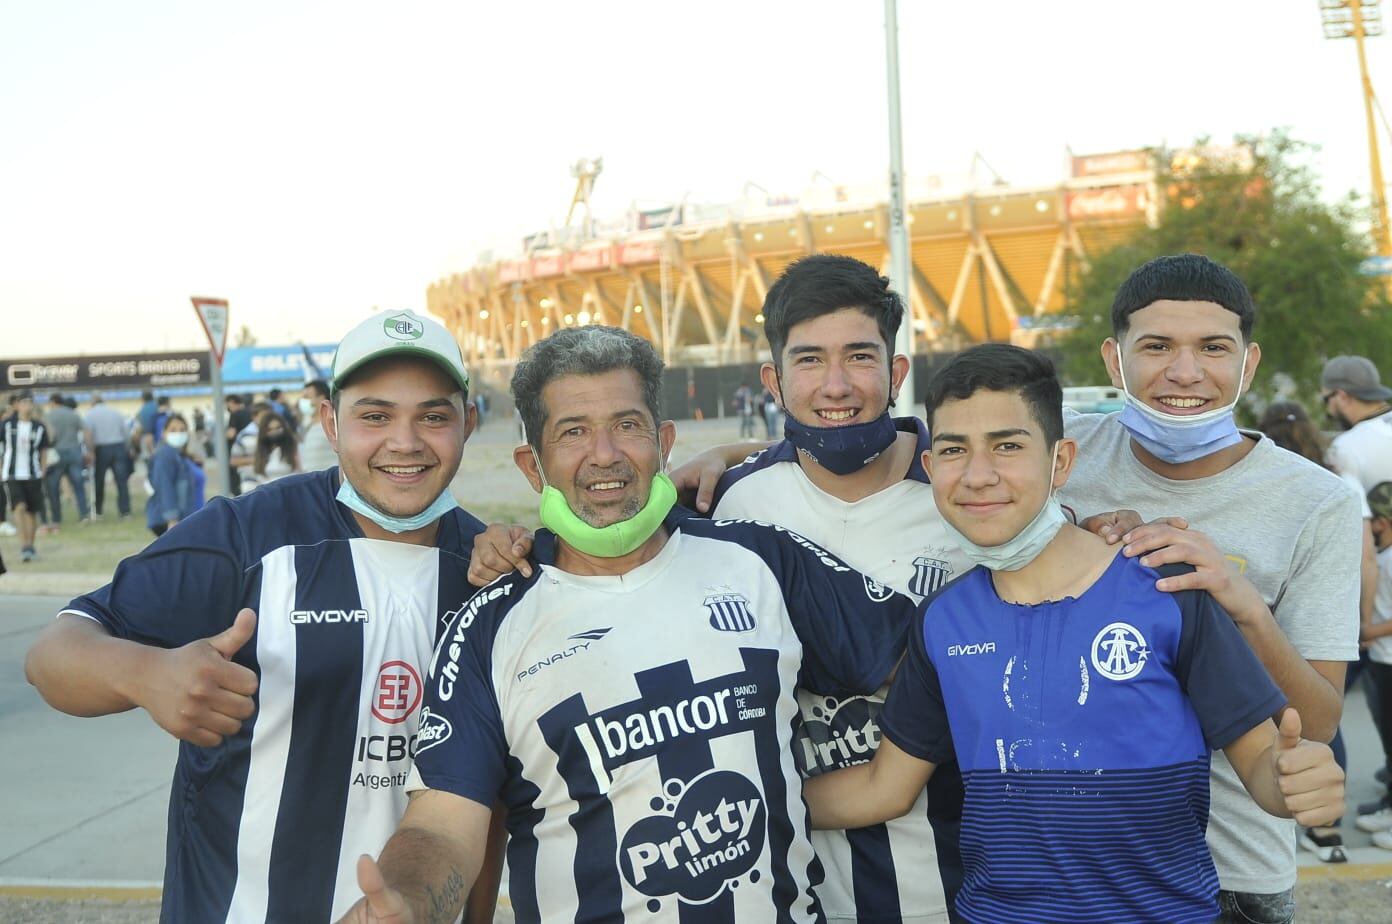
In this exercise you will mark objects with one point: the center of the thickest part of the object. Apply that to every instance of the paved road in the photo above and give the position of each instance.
(85, 799)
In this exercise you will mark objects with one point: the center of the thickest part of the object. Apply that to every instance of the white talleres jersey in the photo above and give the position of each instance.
(895, 871)
(639, 728)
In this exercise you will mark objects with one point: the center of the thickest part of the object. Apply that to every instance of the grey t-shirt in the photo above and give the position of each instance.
(1296, 532)
(107, 425)
(64, 427)
(316, 453)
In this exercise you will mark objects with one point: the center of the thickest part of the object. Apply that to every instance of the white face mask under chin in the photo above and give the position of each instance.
(1025, 546)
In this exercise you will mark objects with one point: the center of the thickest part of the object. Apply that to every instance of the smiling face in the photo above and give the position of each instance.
(599, 445)
(399, 432)
(835, 371)
(991, 466)
(1182, 357)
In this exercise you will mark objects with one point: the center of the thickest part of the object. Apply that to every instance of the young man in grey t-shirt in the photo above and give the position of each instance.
(1280, 537)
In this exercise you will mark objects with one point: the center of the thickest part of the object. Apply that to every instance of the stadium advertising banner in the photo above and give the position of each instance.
(1111, 163)
(127, 370)
(252, 365)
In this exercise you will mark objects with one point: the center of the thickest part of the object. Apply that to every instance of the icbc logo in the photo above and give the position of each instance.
(398, 692)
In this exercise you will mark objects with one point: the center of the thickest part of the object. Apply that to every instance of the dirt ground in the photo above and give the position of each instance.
(1322, 901)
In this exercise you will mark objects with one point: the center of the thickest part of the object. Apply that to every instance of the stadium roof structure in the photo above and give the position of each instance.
(988, 264)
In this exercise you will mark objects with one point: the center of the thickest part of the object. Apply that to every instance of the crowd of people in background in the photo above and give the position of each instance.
(56, 458)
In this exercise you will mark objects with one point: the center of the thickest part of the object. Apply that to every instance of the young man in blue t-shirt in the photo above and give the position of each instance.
(1079, 698)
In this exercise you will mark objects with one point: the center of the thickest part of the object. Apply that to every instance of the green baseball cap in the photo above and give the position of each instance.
(398, 333)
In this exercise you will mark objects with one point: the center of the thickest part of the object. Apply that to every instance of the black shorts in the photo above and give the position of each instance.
(26, 493)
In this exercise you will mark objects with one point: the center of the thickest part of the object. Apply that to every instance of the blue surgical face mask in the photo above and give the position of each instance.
(1025, 546)
(349, 497)
(1177, 438)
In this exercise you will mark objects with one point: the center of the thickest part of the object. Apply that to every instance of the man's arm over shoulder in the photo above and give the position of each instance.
(738, 492)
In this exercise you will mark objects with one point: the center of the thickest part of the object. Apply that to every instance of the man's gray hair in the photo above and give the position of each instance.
(589, 350)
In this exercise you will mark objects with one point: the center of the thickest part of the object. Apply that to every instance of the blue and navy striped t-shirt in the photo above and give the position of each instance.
(1083, 729)
(268, 825)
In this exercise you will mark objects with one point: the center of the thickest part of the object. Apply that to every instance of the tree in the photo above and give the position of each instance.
(245, 338)
(1299, 256)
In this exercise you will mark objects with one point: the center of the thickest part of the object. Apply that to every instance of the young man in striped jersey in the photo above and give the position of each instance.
(283, 638)
(1069, 685)
(630, 701)
(24, 449)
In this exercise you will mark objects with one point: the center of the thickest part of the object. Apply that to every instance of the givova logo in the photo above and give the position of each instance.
(834, 735)
(704, 834)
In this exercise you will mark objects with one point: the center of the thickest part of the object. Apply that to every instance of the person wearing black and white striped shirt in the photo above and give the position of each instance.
(25, 441)
(283, 636)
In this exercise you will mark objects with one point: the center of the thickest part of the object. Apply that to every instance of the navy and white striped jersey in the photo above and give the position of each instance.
(908, 869)
(639, 727)
(1083, 728)
(22, 443)
(269, 825)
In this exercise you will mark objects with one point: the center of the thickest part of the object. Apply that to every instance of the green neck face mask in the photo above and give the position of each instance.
(616, 539)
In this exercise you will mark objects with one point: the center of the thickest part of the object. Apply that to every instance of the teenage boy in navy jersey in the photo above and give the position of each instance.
(1068, 686)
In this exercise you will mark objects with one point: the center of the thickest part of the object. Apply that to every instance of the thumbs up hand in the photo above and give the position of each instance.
(1306, 775)
(195, 692)
(379, 904)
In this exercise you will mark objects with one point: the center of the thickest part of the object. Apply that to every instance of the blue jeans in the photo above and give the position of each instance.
(69, 464)
(114, 457)
(1253, 908)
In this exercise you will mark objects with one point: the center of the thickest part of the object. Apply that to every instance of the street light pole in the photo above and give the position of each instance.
(899, 269)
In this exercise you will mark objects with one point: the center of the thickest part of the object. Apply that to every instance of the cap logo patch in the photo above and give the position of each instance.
(403, 327)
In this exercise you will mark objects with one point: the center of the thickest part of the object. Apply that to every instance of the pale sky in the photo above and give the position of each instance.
(309, 161)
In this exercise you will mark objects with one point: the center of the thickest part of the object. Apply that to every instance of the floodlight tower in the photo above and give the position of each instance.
(585, 171)
(1356, 19)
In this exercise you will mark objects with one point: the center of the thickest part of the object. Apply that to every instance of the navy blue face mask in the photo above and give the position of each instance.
(842, 450)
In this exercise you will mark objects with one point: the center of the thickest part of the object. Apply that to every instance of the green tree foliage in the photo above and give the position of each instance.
(1298, 255)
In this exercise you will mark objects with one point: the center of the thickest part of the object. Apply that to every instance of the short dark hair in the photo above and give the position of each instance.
(1185, 277)
(147, 395)
(590, 350)
(821, 284)
(1001, 367)
(55, 398)
(321, 387)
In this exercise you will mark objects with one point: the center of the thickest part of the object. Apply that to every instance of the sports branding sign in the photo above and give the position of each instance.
(122, 370)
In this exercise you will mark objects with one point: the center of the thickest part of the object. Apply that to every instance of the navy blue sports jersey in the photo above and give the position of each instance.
(268, 825)
(1083, 729)
(639, 727)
